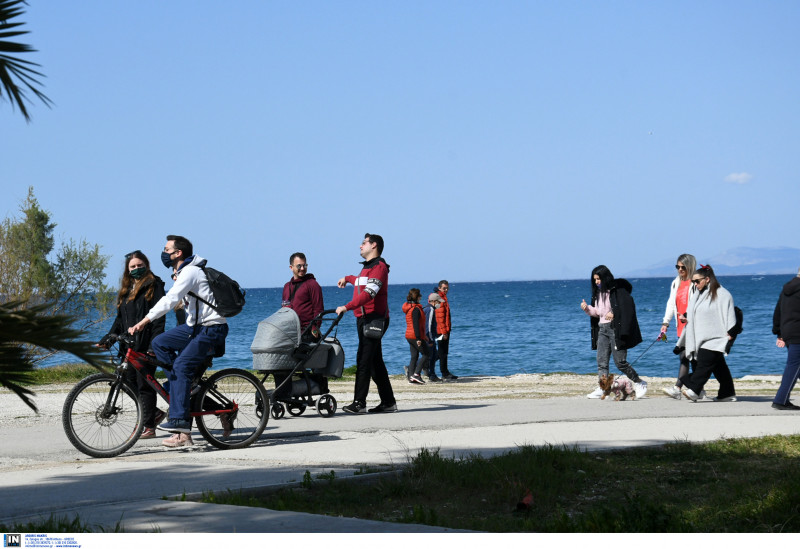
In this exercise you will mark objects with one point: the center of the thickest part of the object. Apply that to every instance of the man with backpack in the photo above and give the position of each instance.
(185, 346)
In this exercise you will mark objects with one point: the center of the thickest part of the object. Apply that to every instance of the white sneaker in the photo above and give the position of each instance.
(726, 399)
(702, 395)
(673, 392)
(640, 387)
(688, 393)
(597, 393)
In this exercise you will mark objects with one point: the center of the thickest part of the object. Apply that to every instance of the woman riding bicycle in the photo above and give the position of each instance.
(140, 289)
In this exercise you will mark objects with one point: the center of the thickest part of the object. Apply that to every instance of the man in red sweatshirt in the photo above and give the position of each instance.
(303, 294)
(370, 307)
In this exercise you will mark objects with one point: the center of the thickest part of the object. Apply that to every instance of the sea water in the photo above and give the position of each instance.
(505, 328)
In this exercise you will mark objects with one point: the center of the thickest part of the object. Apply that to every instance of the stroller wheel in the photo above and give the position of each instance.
(295, 409)
(259, 406)
(278, 411)
(326, 405)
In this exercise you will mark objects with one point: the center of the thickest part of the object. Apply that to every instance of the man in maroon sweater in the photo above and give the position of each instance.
(370, 302)
(303, 294)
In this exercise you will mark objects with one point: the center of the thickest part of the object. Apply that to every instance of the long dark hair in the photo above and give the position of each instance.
(130, 287)
(606, 280)
(713, 283)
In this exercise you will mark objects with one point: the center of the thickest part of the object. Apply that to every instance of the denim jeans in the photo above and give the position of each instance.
(186, 347)
(606, 348)
(790, 374)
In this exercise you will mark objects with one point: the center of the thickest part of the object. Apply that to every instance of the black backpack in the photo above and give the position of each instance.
(227, 293)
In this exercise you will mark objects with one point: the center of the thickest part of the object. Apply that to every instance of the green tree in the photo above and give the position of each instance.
(70, 280)
(17, 75)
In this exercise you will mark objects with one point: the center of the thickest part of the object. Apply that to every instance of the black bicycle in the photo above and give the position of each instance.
(102, 415)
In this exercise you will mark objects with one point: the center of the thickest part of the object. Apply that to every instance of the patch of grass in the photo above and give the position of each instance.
(63, 373)
(735, 485)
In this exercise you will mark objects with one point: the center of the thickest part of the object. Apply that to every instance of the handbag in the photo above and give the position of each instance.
(374, 328)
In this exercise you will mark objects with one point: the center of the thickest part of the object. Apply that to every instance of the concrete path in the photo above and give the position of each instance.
(42, 474)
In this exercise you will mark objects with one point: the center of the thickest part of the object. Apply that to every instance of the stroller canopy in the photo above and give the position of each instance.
(276, 338)
(278, 333)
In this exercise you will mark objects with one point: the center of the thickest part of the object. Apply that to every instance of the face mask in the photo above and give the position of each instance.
(138, 273)
(166, 260)
(597, 284)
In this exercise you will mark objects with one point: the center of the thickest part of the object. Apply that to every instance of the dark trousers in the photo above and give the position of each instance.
(147, 395)
(432, 357)
(419, 357)
(790, 374)
(444, 348)
(685, 368)
(186, 348)
(708, 363)
(370, 365)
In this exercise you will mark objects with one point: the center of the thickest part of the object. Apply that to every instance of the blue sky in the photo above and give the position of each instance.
(483, 140)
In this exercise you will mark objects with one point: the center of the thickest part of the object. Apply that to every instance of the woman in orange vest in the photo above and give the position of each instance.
(415, 335)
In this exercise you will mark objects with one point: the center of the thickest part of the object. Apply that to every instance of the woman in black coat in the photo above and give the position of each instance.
(139, 290)
(614, 326)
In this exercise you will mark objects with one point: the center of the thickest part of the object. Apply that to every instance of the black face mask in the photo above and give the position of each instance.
(165, 259)
(138, 273)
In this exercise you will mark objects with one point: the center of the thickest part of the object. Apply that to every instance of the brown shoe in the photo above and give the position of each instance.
(148, 432)
(178, 440)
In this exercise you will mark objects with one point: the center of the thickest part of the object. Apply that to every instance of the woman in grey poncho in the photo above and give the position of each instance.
(711, 321)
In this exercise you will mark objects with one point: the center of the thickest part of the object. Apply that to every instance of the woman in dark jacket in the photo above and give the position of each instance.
(786, 325)
(614, 326)
(139, 290)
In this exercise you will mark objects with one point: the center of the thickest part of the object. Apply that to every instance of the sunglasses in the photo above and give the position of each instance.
(301, 266)
(680, 267)
(130, 255)
(697, 280)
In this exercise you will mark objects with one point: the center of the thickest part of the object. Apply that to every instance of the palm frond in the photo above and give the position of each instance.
(33, 326)
(17, 76)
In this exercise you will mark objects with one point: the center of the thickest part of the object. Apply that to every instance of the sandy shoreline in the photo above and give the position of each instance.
(50, 398)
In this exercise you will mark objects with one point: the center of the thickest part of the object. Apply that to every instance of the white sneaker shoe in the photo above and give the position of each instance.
(702, 395)
(726, 399)
(640, 387)
(597, 393)
(673, 392)
(688, 393)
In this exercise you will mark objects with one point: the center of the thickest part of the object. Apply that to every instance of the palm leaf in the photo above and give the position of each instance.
(34, 327)
(17, 76)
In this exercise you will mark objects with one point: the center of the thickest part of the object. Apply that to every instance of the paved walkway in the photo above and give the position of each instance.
(41, 474)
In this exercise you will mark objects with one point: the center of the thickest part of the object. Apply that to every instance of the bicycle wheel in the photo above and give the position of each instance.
(227, 409)
(94, 425)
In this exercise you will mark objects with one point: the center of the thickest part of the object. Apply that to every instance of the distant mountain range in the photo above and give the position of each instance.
(738, 261)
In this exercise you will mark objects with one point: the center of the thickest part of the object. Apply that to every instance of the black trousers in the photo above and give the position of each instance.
(708, 363)
(147, 395)
(370, 366)
(443, 348)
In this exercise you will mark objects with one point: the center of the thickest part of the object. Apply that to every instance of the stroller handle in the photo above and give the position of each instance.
(318, 320)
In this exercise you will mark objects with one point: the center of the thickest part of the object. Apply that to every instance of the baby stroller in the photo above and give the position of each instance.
(301, 367)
